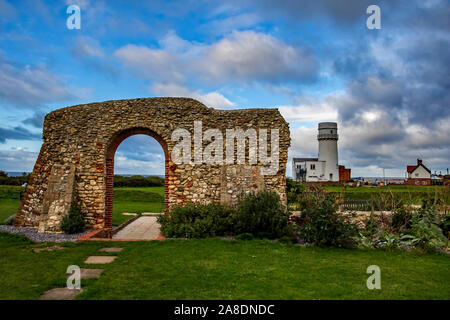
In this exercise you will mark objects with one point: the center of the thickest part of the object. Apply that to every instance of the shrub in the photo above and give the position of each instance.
(401, 219)
(244, 236)
(10, 220)
(14, 181)
(294, 190)
(288, 239)
(197, 221)
(445, 225)
(321, 225)
(73, 222)
(261, 214)
(388, 241)
(371, 228)
(425, 230)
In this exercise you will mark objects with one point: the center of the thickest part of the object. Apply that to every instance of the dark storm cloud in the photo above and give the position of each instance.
(37, 120)
(17, 133)
(347, 10)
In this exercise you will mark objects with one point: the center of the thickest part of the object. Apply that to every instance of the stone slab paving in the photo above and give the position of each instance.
(99, 259)
(51, 248)
(111, 249)
(152, 214)
(143, 228)
(60, 294)
(90, 273)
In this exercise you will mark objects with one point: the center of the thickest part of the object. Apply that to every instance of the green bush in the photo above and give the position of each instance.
(10, 220)
(401, 219)
(73, 222)
(371, 228)
(245, 236)
(425, 232)
(321, 225)
(197, 221)
(14, 181)
(261, 214)
(294, 190)
(445, 225)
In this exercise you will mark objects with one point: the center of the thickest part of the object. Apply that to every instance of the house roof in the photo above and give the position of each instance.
(410, 169)
(305, 159)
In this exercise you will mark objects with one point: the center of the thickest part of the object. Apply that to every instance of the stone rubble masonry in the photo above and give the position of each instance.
(76, 160)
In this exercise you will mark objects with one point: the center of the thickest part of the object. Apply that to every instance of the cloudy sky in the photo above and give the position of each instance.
(388, 89)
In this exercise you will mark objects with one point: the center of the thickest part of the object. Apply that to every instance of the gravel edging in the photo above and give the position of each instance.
(32, 234)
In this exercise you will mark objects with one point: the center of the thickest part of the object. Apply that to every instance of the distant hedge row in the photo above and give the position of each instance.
(13, 181)
(138, 181)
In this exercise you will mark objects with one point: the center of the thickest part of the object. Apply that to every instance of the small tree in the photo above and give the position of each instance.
(73, 222)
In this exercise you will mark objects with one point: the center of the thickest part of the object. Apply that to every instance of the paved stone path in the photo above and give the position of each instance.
(60, 294)
(90, 273)
(69, 294)
(99, 259)
(143, 228)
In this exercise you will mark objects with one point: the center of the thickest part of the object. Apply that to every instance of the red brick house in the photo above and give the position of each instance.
(418, 175)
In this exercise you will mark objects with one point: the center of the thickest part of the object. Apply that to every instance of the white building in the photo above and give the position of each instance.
(325, 167)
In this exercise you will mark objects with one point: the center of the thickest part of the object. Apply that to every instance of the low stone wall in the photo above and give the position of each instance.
(360, 218)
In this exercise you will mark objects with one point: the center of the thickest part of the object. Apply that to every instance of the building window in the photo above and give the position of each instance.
(313, 167)
(417, 174)
(331, 176)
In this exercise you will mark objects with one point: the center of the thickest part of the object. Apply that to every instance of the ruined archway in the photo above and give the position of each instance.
(111, 151)
(79, 144)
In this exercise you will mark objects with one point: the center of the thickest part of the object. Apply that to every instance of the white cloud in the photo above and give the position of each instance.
(249, 55)
(124, 165)
(238, 57)
(151, 63)
(29, 85)
(210, 99)
(17, 160)
(315, 110)
(87, 47)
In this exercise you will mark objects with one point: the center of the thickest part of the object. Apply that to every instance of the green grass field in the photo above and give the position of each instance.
(389, 188)
(411, 194)
(221, 269)
(136, 200)
(126, 199)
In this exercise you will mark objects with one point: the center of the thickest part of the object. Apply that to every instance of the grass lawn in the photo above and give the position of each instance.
(390, 188)
(126, 199)
(8, 207)
(411, 194)
(220, 269)
(136, 200)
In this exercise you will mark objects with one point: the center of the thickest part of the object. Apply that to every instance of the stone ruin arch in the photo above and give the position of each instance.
(76, 160)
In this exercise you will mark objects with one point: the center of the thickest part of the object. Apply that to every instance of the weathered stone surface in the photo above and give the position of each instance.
(60, 294)
(51, 248)
(99, 259)
(90, 273)
(80, 143)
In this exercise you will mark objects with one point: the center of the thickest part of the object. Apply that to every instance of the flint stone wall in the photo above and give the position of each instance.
(76, 160)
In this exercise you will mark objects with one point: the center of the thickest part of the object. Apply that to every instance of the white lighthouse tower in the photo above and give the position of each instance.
(328, 151)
